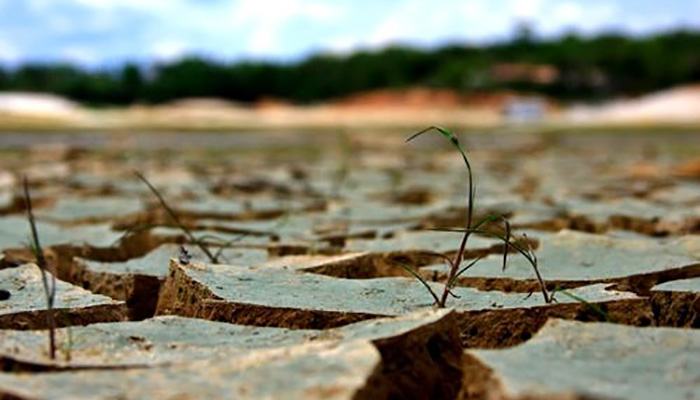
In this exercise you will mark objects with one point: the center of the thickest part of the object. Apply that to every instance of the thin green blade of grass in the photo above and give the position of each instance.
(445, 133)
(422, 281)
(433, 254)
(453, 282)
(506, 245)
(49, 288)
(454, 265)
(588, 304)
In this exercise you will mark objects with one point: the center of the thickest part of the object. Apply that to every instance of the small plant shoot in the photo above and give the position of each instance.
(455, 268)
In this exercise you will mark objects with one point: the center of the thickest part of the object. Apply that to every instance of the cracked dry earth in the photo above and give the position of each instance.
(309, 297)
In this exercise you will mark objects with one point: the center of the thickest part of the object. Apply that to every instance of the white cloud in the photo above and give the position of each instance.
(256, 24)
(567, 12)
(585, 17)
(415, 20)
(340, 45)
(525, 9)
(143, 5)
(169, 50)
(8, 52)
(266, 19)
(231, 29)
(80, 55)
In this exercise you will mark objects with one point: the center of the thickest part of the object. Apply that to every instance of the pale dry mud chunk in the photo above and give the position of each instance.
(137, 281)
(26, 306)
(439, 184)
(171, 180)
(533, 215)
(425, 241)
(255, 207)
(264, 228)
(242, 240)
(127, 185)
(627, 184)
(100, 181)
(677, 303)
(7, 186)
(376, 212)
(213, 238)
(570, 259)
(163, 235)
(683, 193)
(47, 171)
(410, 195)
(292, 299)
(630, 214)
(293, 226)
(72, 209)
(7, 201)
(337, 233)
(313, 226)
(382, 257)
(345, 181)
(357, 265)
(13, 201)
(686, 244)
(520, 213)
(42, 152)
(62, 243)
(282, 182)
(322, 370)
(147, 343)
(574, 360)
(14, 233)
(420, 353)
(7, 181)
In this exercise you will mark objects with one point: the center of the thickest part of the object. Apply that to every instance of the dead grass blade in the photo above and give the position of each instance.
(176, 220)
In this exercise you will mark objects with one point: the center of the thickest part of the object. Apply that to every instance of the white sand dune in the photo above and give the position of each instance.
(36, 104)
(676, 105)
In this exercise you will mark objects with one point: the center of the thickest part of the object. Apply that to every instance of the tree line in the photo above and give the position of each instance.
(586, 68)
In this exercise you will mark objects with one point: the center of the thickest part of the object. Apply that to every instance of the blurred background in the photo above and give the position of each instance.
(242, 64)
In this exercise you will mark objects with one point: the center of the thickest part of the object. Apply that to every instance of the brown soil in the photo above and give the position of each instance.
(64, 317)
(140, 292)
(424, 364)
(508, 327)
(676, 309)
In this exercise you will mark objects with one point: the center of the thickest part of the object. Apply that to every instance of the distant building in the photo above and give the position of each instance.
(542, 74)
(524, 109)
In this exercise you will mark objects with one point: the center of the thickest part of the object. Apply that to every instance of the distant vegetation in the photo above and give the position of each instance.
(570, 67)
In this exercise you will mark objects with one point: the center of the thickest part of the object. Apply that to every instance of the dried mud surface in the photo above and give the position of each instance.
(310, 294)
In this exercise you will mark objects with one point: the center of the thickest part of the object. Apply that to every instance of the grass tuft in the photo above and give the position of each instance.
(470, 228)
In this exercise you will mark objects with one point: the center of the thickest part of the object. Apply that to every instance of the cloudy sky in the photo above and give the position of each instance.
(108, 32)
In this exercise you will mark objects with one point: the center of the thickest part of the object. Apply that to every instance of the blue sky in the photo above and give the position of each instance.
(109, 32)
